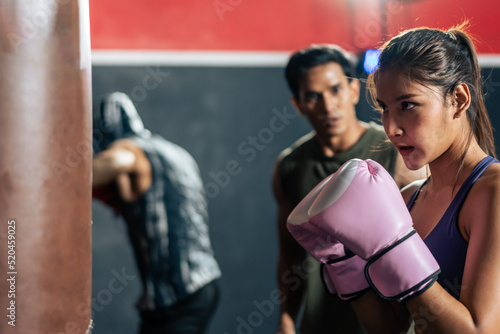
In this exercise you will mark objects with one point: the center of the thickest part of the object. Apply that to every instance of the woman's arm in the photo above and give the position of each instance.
(478, 309)
(380, 316)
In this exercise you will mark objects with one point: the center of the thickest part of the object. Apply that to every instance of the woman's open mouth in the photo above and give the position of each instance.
(405, 150)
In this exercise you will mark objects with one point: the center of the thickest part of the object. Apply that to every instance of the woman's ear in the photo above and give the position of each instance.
(461, 99)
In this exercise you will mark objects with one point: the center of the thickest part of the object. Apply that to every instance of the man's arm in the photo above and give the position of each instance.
(108, 164)
(124, 164)
(291, 256)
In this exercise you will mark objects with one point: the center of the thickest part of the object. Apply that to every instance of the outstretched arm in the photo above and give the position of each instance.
(126, 165)
(109, 164)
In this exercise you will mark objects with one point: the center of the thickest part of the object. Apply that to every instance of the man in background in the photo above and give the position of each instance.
(156, 187)
(325, 91)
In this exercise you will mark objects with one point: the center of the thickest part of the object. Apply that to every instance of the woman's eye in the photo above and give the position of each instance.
(407, 105)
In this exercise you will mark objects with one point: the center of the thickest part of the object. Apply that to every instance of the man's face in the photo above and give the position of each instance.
(328, 100)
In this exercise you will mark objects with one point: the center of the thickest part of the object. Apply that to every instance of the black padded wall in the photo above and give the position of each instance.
(234, 121)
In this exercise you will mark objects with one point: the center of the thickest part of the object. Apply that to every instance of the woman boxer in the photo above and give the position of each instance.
(428, 88)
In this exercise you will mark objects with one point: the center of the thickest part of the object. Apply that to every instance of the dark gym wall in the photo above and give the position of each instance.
(220, 115)
(236, 116)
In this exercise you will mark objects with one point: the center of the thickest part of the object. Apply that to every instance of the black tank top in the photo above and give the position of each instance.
(304, 165)
(445, 240)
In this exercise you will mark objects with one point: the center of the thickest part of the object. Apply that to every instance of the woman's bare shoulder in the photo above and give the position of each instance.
(487, 187)
(483, 200)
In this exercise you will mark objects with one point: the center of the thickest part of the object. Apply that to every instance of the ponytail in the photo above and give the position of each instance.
(442, 59)
(477, 115)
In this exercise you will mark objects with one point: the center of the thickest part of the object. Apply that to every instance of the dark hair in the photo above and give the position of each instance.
(442, 59)
(315, 55)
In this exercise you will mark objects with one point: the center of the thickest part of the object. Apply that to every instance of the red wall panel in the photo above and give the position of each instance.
(278, 25)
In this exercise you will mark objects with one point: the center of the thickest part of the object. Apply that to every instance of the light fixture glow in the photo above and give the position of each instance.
(371, 60)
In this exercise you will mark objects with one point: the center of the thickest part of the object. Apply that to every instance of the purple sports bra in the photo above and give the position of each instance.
(445, 241)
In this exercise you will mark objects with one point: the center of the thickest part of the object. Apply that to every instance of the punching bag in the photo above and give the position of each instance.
(45, 167)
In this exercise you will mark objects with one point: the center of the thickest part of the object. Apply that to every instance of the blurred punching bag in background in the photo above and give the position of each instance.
(45, 167)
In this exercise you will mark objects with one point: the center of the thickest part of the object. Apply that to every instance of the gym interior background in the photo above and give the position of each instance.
(208, 75)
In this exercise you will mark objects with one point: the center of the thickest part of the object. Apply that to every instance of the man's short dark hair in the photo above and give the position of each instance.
(315, 55)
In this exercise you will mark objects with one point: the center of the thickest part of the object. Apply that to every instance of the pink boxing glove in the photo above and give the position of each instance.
(342, 273)
(362, 208)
